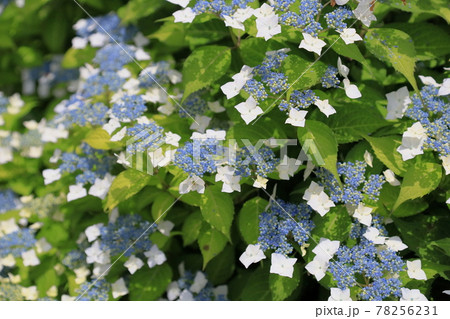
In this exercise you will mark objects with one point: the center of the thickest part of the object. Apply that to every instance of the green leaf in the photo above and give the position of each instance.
(161, 205)
(430, 40)
(204, 67)
(334, 225)
(396, 47)
(98, 138)
(74, 58)
(253, 51)
(136, 9)
(254, 133)
(171, 34)
(419, 180)
(206, 32)
(282, 287)
(348, 50)
(221, 268)
(55, 233)
(55, 30)
(420, 230)
(437, 7)
(211, 243)
(323, 146)
(302, 74)
(385, 149)
(248, 219)
(354, 120)
(29, 57)
(191, 228)
(444, 244)
(125, 185)
(388, 196)
(257, 287)
(217, 209)
(149, 284)
(46, 280)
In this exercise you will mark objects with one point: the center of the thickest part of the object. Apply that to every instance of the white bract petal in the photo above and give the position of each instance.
(282, 265)
(368, 158)
(260, 182)
(101, 186)
(182, 3)
(231, 89)
(140, 40)
(95, 254)
(446, 164)
(252, 254)
(193, 183)
(390, 177)
(234, 23)
(312, 44)
(395, 243)
(351, 90)
(51, 175)
(428, 80)
(29, 293)
(337, 294)
(264, 11)
(445, 88)
(185, 16)
(287, 167)
(111, 126)
(199, 283)
(119, 288)
(349, 36)
(166, 109)
(133, 264)
(79, 43)
(172, 139)
(320, 203)
(155, 256)
(29, 258)
(242, 14)
(201, 123)
(98, 39)
(412, 141)
(173, 291)
(296, 118)
(8, 226)
(326, 248)
(93, 232)
(141, 55)
(267, 27)
(363, 214)
(216, 107)
(249, 110)
(412, 295)
(414, 269)
(343, 70)
(373, 234)
(313, 189)
(165, 227)
(186, 295)
(398, 102)
(317, 267)
(325, 107)
(364, 13)
(75, 192)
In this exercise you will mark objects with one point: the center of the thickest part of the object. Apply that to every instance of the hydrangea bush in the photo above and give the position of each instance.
(224, 150)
